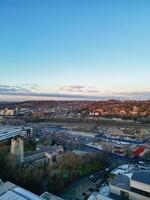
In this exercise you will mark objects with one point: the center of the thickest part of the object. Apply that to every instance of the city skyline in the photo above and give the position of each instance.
(86, 50)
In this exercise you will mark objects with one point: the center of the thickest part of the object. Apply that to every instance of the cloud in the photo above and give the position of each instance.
(135, 95)
(79, 89)
(31, 86)
(73, 88)
(7, 89)
(76, 92)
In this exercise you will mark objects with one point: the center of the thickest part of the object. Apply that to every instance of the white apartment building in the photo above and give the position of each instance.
(136, 188)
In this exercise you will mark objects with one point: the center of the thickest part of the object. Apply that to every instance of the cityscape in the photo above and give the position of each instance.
(74, 100)
(71, 150)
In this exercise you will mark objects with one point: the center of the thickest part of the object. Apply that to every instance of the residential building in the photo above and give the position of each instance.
(136, 188)
(127, 182)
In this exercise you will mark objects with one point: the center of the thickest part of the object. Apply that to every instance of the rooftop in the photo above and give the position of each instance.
(43, 149)
(97, 196)
(48, 196)
(128, 170)
(121, 181)
(10, 191)
(32, 153)
(141, 176)
(7, 132)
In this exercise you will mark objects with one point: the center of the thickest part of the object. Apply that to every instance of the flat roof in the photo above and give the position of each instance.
(98, 196)
(11, 195)
(6, 128)
(7, 132)
(6, 186)
(141, 176)
(121, 181)
(27, 194)
(48, 196)
(10, 191)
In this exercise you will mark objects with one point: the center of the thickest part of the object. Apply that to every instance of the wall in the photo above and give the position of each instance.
(132, 195)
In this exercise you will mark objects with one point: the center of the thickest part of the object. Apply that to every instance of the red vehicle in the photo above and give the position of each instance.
(138, 150)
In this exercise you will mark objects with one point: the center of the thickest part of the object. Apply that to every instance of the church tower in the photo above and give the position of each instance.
(17, 149)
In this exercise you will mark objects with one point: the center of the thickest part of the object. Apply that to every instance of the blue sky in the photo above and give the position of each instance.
(91, 48)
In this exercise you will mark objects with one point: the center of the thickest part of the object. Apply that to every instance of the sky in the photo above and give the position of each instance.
(74, 49)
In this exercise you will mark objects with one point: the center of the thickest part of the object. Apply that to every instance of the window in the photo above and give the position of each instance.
(141, 192)
(124, 195)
